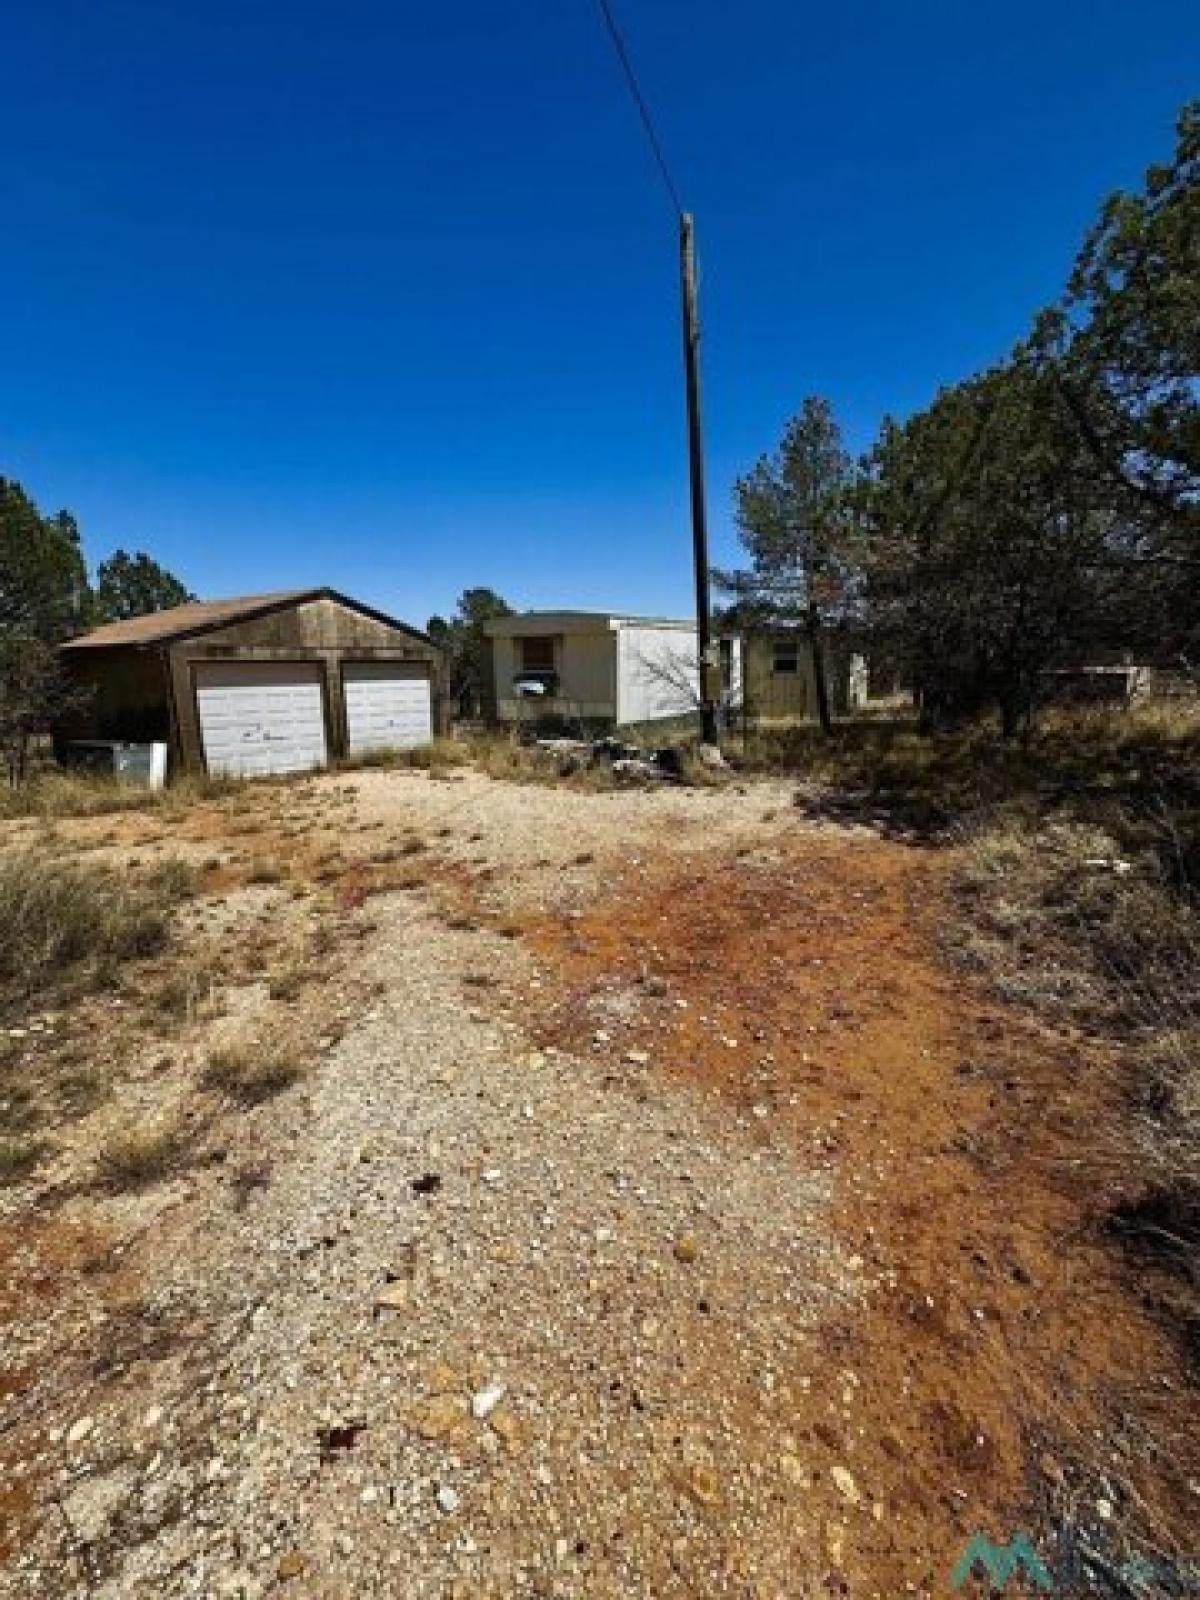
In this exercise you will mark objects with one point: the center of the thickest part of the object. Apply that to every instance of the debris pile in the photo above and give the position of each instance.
(630, 763)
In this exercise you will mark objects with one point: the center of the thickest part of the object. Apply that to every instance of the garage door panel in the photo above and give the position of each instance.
(388, 706)
(261, 717)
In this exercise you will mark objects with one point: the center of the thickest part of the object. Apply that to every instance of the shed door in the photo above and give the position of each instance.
(260, 717)
(389, 705)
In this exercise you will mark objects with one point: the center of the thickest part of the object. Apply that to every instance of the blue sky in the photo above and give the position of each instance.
(384, 295)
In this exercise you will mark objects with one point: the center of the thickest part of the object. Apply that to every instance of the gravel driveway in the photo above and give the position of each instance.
(489, 1321)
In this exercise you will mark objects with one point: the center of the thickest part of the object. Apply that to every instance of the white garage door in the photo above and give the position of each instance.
(388, 706)
(260, 717)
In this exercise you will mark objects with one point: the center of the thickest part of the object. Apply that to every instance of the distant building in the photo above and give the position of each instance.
(780, 684)
(599, 669)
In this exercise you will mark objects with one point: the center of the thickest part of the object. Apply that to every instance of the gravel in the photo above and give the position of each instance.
(495, 1326)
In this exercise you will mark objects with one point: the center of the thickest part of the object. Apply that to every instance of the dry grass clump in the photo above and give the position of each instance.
(507, 760)
(60, 793)
(60, 918)
(19, 1156)
(439, 755)
(189, 990)
(1119, 758)
(251, 1073)
(699, 774)
(500, 756)
(1171, 1101)
(1062, 920)
(146, 1154)
(264, 870)
(286, 982)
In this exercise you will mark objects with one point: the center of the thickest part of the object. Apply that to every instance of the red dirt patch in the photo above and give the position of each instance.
(41, 1263)
(1003, 1363)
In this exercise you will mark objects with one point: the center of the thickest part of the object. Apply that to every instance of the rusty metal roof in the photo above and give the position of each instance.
(197, 616)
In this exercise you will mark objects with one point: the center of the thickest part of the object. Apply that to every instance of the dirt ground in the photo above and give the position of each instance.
(658, 1213)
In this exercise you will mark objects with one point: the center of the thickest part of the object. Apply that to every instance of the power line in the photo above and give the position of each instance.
(639, 100)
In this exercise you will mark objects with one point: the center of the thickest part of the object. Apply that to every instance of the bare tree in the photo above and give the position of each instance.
(679, 675)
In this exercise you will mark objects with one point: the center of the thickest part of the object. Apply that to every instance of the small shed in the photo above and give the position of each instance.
(781, 680)
(263, 684)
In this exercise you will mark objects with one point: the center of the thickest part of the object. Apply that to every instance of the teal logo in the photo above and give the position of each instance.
(998, 1562)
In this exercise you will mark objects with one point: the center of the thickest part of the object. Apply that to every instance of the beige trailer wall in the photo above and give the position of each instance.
(584, 664)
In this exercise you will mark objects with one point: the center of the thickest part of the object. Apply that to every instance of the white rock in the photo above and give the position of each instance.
(448, 1499)
(846, 1484)
(486, 1401)
(80, 1429)
(92, 1503)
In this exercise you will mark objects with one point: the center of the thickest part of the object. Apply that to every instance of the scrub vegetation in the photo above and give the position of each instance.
(63, 922)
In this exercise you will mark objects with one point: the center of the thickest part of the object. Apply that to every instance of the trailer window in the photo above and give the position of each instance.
(536, 654)
(786, 660)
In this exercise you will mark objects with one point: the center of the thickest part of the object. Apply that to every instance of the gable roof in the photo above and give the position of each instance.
(202, 616)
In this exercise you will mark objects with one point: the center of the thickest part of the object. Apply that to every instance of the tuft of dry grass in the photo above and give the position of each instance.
(1062, 918)
(286, 982)
(251, 1073)
(20, 1156)
(265, 869)
(146, 1154)
(60, 918)
(61, 793)
(189, 990)
(438, 756)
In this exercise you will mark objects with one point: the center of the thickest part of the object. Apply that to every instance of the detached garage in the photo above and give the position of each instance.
(257, 686)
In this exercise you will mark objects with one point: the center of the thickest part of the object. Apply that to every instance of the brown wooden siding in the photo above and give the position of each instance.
(141, 692)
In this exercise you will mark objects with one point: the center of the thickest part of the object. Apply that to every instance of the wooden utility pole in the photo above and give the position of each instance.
(709, 665)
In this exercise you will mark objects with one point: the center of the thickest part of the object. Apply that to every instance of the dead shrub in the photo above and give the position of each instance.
(251, 1073)
(143, 1155)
